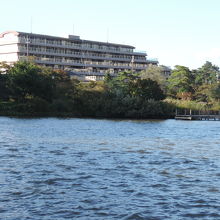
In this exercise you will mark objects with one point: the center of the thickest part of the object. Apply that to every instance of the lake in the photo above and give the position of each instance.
(86, 169)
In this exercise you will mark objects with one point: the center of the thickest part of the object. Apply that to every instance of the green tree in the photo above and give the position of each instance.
(202, 93)
(215, 92)
(207, 74)
(27, 80)
(4, 91)
(147, 89)
(205, 80)
(181, 82)
(127, 84)
(154, 73)
(121, 84)
(64, 87)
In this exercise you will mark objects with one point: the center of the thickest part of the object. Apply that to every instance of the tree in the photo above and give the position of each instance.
(202, 93)
(180, 82)
(27, 80)
(4, 91)
(147, 89)
(127, 84)
(64, 87)
(154, 73)
(205, 82)
(207, 74)
(215, 92)
(121, 84)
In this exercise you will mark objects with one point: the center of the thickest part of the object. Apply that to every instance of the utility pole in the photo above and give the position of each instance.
(132, 64)
(27, 42)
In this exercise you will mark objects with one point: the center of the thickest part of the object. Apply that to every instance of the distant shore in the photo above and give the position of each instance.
(71, 115)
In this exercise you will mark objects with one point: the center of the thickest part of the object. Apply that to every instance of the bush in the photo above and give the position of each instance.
(62, 105)
(39, 105)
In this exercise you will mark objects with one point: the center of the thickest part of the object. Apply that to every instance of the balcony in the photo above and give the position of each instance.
(79, 55)
(89, 64)
(80, 47)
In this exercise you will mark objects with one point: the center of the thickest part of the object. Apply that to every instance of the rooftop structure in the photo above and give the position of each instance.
(84, 59)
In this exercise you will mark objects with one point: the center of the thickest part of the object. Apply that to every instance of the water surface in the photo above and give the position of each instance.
(101, 169)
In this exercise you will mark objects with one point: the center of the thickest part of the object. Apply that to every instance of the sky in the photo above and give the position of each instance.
(176, 32)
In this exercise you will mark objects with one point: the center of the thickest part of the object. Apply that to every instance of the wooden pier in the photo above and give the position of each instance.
(188, 114)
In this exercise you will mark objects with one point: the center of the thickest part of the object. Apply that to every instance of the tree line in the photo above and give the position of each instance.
(201, 84)
(29, 89)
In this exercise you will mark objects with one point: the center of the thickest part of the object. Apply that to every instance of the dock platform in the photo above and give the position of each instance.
(197, 115)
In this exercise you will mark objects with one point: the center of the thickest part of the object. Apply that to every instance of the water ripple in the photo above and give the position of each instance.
(102, 169)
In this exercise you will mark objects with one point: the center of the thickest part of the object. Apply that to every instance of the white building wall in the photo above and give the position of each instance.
(9, 47)
(9, 58)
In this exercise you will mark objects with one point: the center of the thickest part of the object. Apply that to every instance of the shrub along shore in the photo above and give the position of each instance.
(29, 90)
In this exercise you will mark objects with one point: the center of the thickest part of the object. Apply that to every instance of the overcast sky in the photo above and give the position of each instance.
(177, 32)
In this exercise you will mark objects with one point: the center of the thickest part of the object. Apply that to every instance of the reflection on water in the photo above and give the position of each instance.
(103, 169)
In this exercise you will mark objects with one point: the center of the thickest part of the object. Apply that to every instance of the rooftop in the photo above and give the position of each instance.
(70, 38)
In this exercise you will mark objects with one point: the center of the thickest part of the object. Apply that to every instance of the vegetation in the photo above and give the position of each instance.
(27, 89)
(155, 73)
(199, 85)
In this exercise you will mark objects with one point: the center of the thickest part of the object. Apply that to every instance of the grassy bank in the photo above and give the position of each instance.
(194, 105)
(110, 109)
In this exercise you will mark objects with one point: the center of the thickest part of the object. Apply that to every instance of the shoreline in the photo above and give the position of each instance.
(70, 115)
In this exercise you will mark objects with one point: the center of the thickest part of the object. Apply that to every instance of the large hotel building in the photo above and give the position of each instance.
(84, 59)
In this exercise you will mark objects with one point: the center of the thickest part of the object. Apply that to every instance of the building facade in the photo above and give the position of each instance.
(83, 59)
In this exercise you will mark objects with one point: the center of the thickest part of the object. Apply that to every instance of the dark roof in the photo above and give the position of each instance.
(77, 40)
